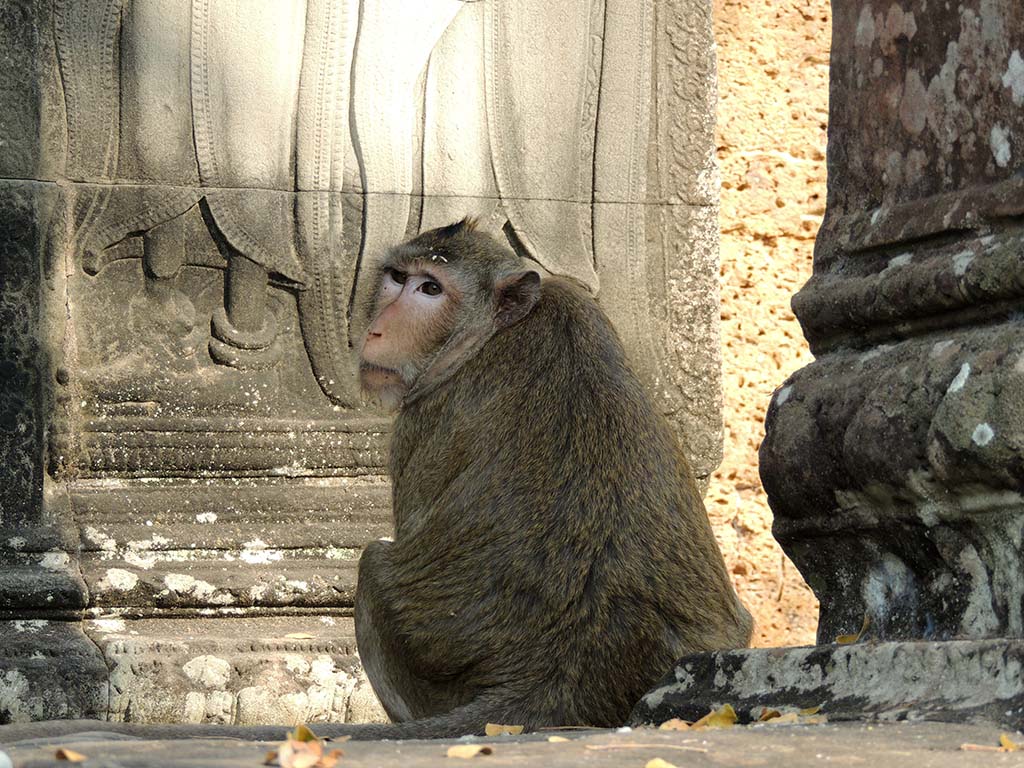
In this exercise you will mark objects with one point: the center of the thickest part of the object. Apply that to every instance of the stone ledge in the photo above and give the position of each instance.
(242, 670)
(975, 681)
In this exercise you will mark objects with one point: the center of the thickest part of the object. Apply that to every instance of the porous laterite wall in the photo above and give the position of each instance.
(772, 115)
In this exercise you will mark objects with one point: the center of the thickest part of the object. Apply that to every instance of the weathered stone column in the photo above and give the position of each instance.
(894, 464)
(191, 198)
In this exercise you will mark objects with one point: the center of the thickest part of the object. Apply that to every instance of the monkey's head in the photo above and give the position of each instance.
(439, 297)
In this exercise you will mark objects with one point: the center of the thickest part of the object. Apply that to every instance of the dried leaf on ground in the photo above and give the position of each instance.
(302, 732)
(300, 636)
(790, 718)
(497, 729)
(299, 754)
(808, 716)
(302, 749)
(850, 639)
(723, 717)
(557, 738)
(467, 751)
(968, 747)
(70, 755)
(675, 724)
(1006, 744)
(657, 762)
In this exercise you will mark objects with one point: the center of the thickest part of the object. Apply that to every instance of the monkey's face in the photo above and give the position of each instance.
(413, 317)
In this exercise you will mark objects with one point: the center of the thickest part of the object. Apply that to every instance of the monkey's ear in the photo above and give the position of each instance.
(465, 224)
(515, 296)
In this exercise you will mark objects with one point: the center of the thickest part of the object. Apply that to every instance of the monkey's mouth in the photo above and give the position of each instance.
(376, 378)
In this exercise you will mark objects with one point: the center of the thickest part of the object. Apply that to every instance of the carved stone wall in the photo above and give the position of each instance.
(191, 193)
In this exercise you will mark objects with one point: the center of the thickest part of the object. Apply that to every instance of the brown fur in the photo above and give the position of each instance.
(552, 557)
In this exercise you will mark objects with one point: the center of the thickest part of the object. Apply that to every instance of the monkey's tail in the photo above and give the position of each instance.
(470, 718)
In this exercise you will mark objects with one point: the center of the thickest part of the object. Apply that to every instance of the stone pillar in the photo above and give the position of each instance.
(894, 464)
(191, 198)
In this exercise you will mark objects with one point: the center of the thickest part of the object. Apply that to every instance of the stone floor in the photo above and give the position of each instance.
(916, 745)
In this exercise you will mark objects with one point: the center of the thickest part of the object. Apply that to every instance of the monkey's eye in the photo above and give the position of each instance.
(396, 275)
(431, 288)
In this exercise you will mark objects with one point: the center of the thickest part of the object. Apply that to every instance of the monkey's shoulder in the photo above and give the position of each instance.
(568, 323)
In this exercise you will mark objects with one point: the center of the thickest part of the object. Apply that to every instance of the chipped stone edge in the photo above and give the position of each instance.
(976, 681)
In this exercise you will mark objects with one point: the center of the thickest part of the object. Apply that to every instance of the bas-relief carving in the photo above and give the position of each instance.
(236, 167)
(290, 144)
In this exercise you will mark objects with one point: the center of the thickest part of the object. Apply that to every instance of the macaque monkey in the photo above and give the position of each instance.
(552, 557)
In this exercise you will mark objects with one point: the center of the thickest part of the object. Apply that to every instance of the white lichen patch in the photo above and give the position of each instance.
(865, 32)
(108, 625)
(256, 552)
(260, 556)
(337, 553)
(17, 700)
(961, 261)
(258, 591)
(105, 543)
(155, 542)
(295, 664)
(182, 583)
(979, 617)
(889, 582)
(878, 351)
(1013, 78)
(783, 395)
(960, 379)
(298, 586)
(29, 625)
(208, 671)
(195, 708)
(684, 681)
(999, 141)
(55, 560)
(145, 562)
(118, 579)
(941, 346)
(206, 517)
(16, 543)
(982, 435)
(328, 620)
(898, 261)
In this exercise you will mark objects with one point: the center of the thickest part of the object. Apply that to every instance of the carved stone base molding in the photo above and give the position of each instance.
(969, 681)
(221, 670)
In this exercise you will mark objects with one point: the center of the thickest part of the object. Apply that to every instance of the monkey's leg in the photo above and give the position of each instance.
(382, 661)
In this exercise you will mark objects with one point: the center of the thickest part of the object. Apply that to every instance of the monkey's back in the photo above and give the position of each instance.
(567, 553)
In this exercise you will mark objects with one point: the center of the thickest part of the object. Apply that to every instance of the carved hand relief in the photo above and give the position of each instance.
(243, 164)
